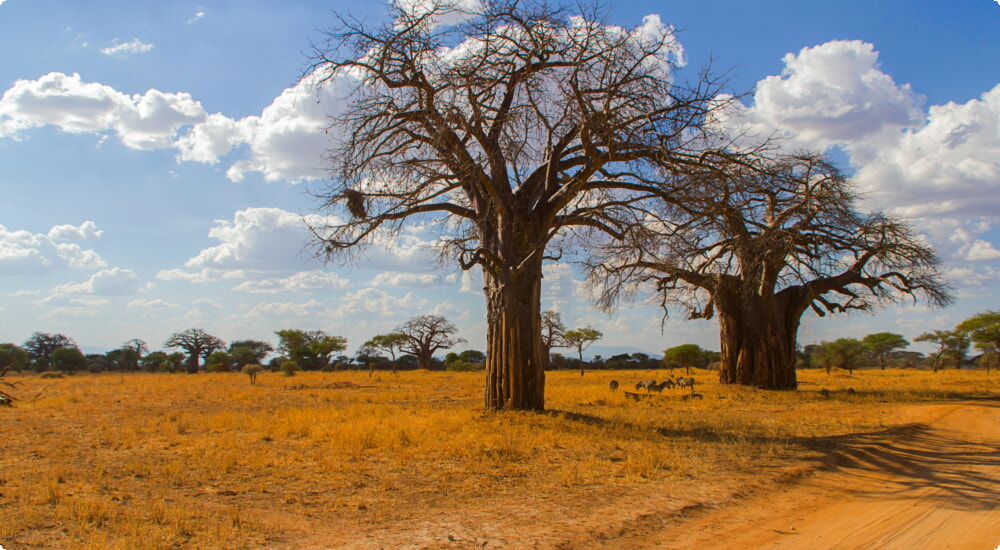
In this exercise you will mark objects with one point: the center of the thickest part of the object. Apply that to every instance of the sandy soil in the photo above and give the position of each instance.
(934, 484)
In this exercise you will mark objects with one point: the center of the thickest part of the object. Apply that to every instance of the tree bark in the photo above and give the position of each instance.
(757, 339)
(515, 356)
(192, 363)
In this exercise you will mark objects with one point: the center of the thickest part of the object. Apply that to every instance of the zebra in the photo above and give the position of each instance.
(685, 382)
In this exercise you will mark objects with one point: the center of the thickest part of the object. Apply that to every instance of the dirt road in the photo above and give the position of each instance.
(935, 485)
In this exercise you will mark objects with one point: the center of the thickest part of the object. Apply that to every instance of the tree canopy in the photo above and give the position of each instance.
(197, 343)
(757, 239)
(425, 335)
(512, 127)
(580, 339)
(881, 345)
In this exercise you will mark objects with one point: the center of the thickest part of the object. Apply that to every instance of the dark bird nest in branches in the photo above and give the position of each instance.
(355, 203)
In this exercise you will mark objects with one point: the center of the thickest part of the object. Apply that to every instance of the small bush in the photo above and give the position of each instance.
(252, 370)
(289, 367)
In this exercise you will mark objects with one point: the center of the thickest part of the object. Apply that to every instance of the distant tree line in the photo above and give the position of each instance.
(413, 345)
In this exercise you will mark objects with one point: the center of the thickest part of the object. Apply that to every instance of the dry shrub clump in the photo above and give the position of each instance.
(209, 460)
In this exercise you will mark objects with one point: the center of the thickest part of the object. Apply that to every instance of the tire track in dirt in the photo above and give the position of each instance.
(936, 486)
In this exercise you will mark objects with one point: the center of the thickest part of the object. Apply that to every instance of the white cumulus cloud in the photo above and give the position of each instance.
(132, 46)
(26, 253)
(304, 281)
(86, 232)
(107, 282)
(147, 121)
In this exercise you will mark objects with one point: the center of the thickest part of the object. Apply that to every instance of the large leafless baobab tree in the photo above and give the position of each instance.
(758, 240)
(513, 125)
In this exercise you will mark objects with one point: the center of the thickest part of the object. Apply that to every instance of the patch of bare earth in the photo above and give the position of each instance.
(934, 484)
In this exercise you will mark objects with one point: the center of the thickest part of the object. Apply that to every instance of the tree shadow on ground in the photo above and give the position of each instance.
(915, 461)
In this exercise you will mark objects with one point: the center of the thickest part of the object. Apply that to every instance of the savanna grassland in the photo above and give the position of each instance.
(332, 460)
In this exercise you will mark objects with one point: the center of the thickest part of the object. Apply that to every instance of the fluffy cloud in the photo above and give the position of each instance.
(377, 302)
(939, 167)
(108, 282)
(26, 253)
(147, 121)
(405, 280)
(263, 248)
(949, 167)
(447, 13)
(257, 239)
(132, 46)
(831, 94)
(304, 281)
(156, 303)
(289, 310)
(288, 140)
(86, 232)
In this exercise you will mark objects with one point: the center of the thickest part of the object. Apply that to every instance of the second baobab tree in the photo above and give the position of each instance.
(512, 126)
(756, 240)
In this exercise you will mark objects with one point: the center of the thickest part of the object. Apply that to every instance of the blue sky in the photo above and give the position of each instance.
(157, 160)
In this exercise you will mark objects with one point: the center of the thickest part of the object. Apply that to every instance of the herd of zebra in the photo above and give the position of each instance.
(658, 387)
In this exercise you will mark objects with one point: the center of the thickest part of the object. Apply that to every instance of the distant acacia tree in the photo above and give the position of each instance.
(881, 346)
(250, 351)
(425, 335)
(512, 125)
(684, 355)
(951, 344)
(580, 339)
(197, 343)
(41, 345)
(984, 331)
(846, 353)
(392, 343)
(757, 240)
(311, 350)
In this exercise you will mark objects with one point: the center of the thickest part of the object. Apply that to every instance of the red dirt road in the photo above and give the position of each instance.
(936, 485)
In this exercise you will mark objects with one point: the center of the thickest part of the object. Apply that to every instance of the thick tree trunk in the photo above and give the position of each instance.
(515, 356)
(192, 364)
(758, 343)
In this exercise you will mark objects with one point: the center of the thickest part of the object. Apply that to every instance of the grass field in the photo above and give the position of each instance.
(208, 461)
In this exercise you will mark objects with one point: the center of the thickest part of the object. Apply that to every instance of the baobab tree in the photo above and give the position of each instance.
(553, 330)
(757, 240)
(513, 126)
(197, 343)
(425, 335)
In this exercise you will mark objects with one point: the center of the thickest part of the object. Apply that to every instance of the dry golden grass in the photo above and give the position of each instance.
(209, 461)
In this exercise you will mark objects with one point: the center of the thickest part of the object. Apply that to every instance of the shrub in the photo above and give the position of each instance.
(289, 367)
(251, 370)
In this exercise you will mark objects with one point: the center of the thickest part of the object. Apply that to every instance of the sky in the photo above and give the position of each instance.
(157, 164)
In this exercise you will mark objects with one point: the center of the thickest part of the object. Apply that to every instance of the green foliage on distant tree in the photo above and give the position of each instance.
(41, 345)
(13, 357)
(580, 339)
(68, 360)
(951, 344)
(983, 330)
(687, 356)
(882, 345)
(289, 367)
(311, 350)
(250, 351)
